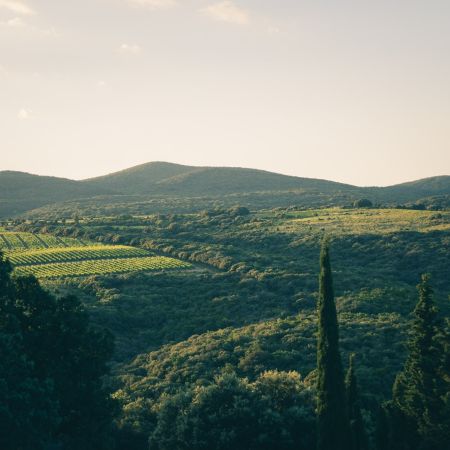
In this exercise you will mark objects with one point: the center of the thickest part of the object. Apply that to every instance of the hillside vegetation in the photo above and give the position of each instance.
(257, 267)
(159, 186)
(238, 326)
(20, 191)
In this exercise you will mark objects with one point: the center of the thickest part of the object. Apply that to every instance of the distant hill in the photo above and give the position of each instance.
(22, 192)
(174, 179)
(139, 179)
(413, 190)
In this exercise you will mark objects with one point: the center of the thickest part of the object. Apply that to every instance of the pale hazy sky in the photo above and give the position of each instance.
(349, 90)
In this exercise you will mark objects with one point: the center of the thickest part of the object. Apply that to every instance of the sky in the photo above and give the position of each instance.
(355, 91)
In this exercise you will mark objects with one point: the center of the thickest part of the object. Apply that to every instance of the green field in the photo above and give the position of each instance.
(72, 254)
(102, 266)
(47, 256)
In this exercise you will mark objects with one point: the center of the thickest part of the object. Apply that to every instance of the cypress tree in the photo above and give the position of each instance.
(382, 430)
(358, 435)
(332, 418)
(419, 389)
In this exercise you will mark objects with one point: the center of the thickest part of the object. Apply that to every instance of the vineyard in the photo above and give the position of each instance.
(10, 241)
(99, 267)
(47, 256)
(72, 254)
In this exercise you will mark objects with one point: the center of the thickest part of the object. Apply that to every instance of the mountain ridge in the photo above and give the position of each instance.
(135, 168)
(22, 191)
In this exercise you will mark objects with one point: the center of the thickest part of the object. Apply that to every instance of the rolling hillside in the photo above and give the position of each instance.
(21, 192)
(172, 179)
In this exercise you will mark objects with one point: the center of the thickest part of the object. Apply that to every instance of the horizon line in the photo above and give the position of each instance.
(216, 167)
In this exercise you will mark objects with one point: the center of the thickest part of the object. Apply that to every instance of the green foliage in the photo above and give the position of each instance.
(418, 413)
(28, 409)
(358, 435)
(276, 411)
(332, 421)
(285, 345)
(148, 310)
(280, 247)
(51, 370)
(237, 309)
(362, 203)
(28, 412)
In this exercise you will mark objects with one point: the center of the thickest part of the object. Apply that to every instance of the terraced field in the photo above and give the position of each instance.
(47, 256)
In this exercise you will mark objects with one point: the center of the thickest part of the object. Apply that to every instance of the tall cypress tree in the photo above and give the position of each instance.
(358, 436)
(419, 389)
(332, 418)
(382, 431)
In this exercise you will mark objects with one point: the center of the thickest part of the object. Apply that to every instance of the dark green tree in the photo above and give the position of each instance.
(28, 410)
(362, 203)
(274, 412)
(51, 370)
(332, 417)
(358, 434)
(444, 387)
(382, 430)
(419, 389)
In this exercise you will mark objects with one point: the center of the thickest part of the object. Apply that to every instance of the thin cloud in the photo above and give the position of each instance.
(271, 29)
(17, 7)
(227, 11)
(19, 25)
(154, 4)
(130, 49)
(3, 72)
(17, 22)
(24, 114)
